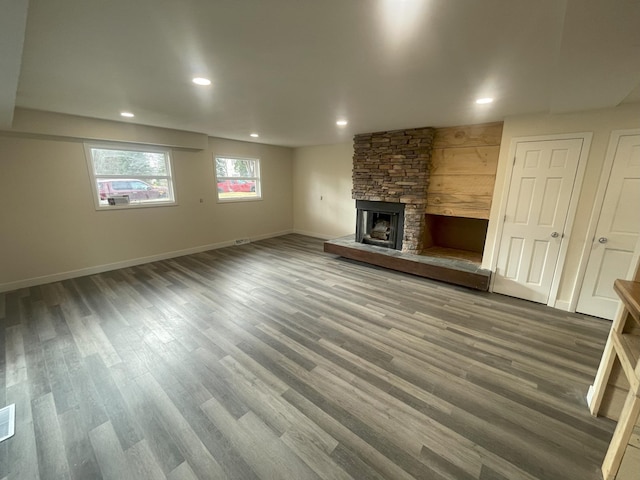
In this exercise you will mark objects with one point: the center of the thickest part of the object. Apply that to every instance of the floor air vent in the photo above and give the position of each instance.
(7, 422)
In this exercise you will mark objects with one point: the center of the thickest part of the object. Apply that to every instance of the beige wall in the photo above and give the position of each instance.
(322, 203)
(601, 123)
(49, 225)
(45, 161)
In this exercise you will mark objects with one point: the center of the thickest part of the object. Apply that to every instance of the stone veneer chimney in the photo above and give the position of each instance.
(394, 167)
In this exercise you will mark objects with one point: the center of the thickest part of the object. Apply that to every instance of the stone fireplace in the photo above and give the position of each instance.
(393, 168)
(426, 192)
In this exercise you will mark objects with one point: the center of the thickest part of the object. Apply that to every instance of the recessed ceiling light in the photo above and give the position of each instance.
(127, 114)
(341, 123)
(201, 81)
(254, 135)
(482, 101)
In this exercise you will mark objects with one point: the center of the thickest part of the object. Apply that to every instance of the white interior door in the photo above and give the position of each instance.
(616, 238)
(542, 183)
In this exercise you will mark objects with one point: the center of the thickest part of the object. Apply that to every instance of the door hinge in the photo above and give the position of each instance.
(514, 160)
(504, 219)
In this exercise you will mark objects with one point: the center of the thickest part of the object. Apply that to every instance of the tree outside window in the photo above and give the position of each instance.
(237, 179)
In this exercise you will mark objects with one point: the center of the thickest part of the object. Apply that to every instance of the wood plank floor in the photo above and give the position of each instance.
(274, 360)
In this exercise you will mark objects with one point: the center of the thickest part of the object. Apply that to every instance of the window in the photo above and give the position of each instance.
(238, 179)
(126, 176)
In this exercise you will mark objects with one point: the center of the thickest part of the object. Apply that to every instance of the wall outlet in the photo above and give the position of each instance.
(242, 241)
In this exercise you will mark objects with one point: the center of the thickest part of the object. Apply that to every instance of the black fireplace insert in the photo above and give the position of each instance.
(380, 223)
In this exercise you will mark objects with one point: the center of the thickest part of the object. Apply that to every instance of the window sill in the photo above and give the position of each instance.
(106, 208)
(239, 200)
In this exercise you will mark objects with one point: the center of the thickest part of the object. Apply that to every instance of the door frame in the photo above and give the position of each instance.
(605, 175)
(573, 203)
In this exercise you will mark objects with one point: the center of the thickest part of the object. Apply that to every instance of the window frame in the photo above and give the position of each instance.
(257, 179)
(134, 147)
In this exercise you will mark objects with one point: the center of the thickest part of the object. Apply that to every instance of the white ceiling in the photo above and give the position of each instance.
(288, 69)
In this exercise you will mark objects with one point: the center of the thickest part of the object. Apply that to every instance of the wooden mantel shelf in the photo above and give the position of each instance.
(623, 344)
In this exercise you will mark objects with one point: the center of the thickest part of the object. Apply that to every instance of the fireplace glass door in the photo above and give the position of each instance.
(380, 223)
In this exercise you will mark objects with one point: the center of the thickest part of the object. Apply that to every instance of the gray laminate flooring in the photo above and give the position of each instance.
(274, 360)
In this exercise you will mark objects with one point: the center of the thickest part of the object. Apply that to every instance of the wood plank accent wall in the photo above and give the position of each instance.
(463, 170)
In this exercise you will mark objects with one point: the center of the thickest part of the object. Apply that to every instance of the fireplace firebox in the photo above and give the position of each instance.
(380, 223)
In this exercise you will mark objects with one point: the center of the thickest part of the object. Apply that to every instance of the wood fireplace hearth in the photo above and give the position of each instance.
(443, 268)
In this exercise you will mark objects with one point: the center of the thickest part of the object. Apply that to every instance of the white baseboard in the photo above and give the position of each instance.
(270, 235)
(321, 236)
(562, 305)
(57, 277)
(590, 393)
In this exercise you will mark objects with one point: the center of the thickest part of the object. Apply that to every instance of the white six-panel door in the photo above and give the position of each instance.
(538, 202)
(617, 232)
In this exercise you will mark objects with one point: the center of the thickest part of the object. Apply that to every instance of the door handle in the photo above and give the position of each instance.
(603, 239)
(555, 235)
